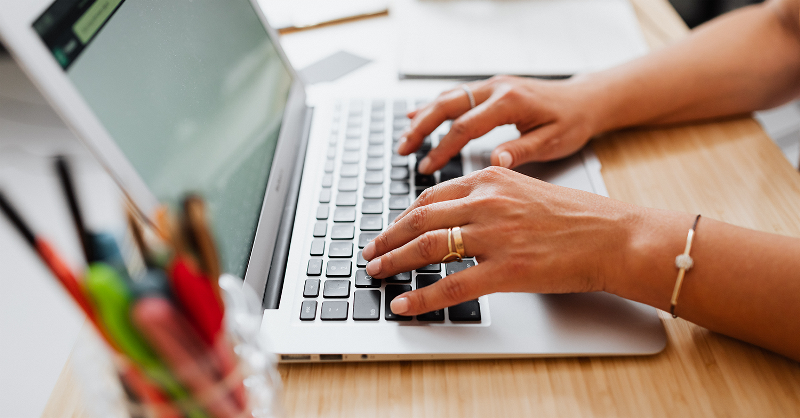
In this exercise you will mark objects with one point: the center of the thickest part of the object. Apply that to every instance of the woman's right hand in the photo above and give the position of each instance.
(555, 119)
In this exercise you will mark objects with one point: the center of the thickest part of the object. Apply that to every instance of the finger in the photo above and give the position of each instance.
(473, 124)
(454, 289)
(449, 190)
(422, 219)
(532, 146)
(428, 248)
(448, 105)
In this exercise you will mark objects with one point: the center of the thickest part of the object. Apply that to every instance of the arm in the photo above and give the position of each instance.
(530, 236)
(743, 61)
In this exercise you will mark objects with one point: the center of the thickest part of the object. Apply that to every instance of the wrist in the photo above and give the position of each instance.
(600, 99)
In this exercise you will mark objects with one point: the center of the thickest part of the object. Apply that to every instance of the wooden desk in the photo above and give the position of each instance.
(728, 170)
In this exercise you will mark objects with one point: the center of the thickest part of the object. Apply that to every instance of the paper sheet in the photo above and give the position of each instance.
(441, 38)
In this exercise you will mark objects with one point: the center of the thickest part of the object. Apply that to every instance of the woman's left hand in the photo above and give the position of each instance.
(527, 236)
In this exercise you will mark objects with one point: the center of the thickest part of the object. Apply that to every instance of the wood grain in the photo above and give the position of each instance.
(728, 170)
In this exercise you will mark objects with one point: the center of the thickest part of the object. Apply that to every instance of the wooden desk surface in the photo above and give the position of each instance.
(728, 170)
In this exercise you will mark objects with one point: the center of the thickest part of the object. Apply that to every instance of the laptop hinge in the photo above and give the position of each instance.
(280, 255)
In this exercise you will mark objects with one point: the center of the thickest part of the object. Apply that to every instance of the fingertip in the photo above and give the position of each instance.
(400, 305)
(425, 166)
(505, 159)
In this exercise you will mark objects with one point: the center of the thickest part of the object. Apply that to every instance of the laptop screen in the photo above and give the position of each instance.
(192, 92)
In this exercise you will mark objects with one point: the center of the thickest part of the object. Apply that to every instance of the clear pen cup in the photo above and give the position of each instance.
(110, 387)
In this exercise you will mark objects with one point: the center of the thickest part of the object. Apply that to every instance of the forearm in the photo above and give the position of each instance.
(744, 61)
(744, 283)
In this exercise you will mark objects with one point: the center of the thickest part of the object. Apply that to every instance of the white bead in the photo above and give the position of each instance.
(684, 261)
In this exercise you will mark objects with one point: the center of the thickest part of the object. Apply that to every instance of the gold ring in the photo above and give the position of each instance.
(458, 242)
(457, 255)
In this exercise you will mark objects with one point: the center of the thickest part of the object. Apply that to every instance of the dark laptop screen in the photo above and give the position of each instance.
(192, 91)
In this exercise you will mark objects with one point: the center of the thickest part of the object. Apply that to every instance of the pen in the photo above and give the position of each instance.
(196, 296)
(110, 294)
(67, 185)
(200, 233)
(50, 258)
(168, 332)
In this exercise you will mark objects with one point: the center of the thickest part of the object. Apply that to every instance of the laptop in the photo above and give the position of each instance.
(197, 95)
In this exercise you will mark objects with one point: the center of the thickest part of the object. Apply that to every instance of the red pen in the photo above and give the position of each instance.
(196, 296)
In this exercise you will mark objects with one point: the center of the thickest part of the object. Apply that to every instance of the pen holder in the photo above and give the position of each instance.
(111, 386)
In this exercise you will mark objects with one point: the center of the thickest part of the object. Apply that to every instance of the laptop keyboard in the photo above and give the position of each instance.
(365, 186)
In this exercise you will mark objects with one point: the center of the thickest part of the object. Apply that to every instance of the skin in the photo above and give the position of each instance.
(527, 234)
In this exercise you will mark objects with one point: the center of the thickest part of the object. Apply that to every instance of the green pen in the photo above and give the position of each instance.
(112, 298)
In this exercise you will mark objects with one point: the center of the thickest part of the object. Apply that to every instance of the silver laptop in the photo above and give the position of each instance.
(197, 95)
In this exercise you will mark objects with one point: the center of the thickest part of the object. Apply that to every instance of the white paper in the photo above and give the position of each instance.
(522, 37)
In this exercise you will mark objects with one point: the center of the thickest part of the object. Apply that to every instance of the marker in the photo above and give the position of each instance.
(110, 294)
(195, 294)
(171, 336)
(194, 210)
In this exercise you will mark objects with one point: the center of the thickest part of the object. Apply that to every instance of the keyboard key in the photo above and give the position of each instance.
(336, 289)
(376, 126)
(374, 177)
(352, 145)
(334, 137)
(353, 133)
(348, 184)
(339, 268)
(430, 268)
(366, 305)
(396, 134)
(349, 170)
(350, 157)
(401, 123)
(318, 247)
(399, 278)
(391, 292)
(452, 169)
(346, 198)
(325, 196)
(399, 202)
(399, 173)
(334, 310)
(371, 223)
(424, 280)
(344, 214)
(398, 187)
(456, 266)
(308, 310)
(343, 232)
(354, 122)
(375, 151)
(376, 138)
(374, 163)
(365, 280)
(393, 214)
(314, 267)
(360, 261)
(311, 289)
(467, 311)
(340, 249)
(372, 207)
(399, 160)
(365, 238)
(373, 191)
(320, 229)
(331, 152)
(329, 166)
(424, 180)
(327, 180)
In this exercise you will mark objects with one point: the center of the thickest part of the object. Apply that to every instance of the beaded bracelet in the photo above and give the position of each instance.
(683, 262)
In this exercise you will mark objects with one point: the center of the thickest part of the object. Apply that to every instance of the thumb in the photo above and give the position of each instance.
(531, 146)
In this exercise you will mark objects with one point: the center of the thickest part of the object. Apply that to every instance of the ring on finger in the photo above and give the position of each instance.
(471, 97)
(454, 237)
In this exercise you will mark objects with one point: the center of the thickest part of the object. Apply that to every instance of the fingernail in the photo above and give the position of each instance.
(399, 305)
(505, 159)
(424, 165)
(369, 251)
(402, 143)
(374, 267)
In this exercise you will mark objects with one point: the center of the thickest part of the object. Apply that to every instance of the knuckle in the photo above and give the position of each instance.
(426, 245)
(459, 128)
(452, 289)
(382, 243)
(426, 197)
(418, 219)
